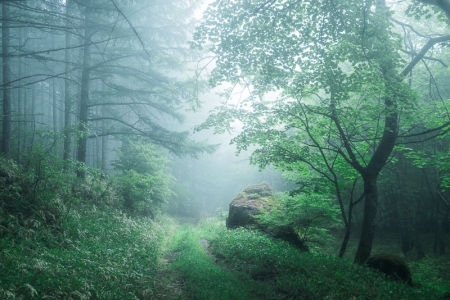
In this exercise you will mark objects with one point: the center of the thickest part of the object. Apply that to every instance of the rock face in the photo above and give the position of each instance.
(391, 265)
(254, 200)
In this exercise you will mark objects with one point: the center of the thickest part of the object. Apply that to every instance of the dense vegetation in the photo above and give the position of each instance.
(341, 106)
(69, 239)
(244, 264)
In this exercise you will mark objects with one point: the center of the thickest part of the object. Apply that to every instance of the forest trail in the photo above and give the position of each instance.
(204, 260)
(168, 283)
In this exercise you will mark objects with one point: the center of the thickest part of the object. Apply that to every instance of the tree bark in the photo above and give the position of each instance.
(84, 99)
(370, 212)
(67, 92)
(6, 133)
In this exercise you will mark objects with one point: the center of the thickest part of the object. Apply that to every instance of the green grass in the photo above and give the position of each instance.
(104, 254)
(96, 254)
(290, 274)
(203, 278)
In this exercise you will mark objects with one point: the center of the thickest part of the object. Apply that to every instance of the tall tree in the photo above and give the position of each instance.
(325, 86)
(6, 87)
(132, 72)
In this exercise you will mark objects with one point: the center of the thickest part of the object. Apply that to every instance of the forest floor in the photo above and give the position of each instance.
(104, 254)
(168, 283)
(206, 261)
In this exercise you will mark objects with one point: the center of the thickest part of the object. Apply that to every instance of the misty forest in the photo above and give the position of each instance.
(225, 149)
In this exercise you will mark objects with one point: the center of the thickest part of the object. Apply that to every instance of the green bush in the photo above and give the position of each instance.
(311, 215)
(143, 183)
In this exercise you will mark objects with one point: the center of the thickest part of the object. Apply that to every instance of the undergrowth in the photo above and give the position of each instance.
(291, 274)
(203, 278)
(99, 254)
(62, 237)
(66, 238)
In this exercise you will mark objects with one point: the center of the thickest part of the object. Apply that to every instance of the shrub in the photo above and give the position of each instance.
(309, 214)
(144, 183)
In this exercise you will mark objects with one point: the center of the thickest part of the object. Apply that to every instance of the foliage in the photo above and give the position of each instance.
(184, 203)
(62, 237)
(96, 254)
(323, 87)
(42, 190)
(204, 279)
(288, 273)
(309, 214)
(144, 183)
(439, 160)
(433, 272)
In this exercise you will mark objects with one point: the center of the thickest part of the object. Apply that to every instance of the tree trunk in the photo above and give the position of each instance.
(348, 222)
(33, 110)
(370, 212)
(6, 134)
(55, 106)
(104, 138)
(345, 240)
(54, 97)
(84, 99)
(19, 105)
(67, 91)
(26, 121)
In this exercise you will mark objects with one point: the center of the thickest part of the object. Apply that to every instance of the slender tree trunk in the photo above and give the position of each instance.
(348, 221)
(404, 208)
(67, 90)
(42, 108)
(25, 109)
(345, 240)
(348, 224)
(19, 105)
(54, 97)
(104, 137)
(104, 153)
(84, 99)
(6, 134)
(33, 109)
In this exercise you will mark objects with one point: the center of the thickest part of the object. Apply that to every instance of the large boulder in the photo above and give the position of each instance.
(254, 200)
(393, 266)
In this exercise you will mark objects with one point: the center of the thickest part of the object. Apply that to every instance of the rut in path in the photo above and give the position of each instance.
(168, 284)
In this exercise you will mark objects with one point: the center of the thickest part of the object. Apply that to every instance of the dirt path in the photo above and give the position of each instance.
(168, 284)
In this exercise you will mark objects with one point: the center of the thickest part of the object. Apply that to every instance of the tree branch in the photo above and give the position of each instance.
(423, 51)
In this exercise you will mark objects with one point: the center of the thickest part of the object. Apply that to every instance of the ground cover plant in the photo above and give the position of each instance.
(291, 274)
(100, 254)
(203, 278)
(66, 239)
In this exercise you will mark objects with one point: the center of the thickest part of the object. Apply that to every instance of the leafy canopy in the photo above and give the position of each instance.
(320, 79)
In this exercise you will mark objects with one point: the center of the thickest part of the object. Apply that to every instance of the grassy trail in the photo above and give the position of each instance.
(189, 271)
(206, 261)
(168, 283)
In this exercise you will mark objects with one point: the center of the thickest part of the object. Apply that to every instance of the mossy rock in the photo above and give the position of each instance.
(393, 266)
(254, 200)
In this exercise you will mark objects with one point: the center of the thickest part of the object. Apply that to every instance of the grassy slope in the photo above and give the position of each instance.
(97, 254)
(103, 254)
(244, 264)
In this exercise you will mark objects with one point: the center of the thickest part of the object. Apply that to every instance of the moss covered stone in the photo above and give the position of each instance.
(254, 200)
